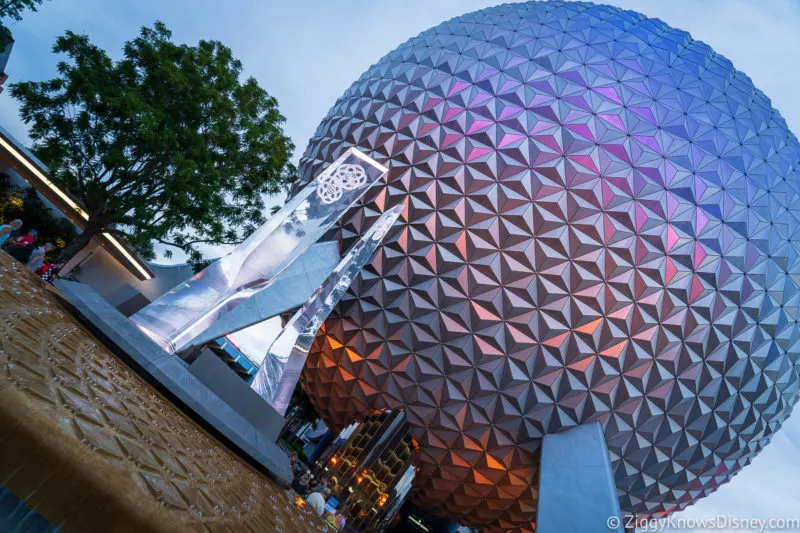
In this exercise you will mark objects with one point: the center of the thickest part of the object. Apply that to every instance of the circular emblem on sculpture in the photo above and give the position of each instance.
(347, 177)
(329, 189)
(350, 176)
(601, 225)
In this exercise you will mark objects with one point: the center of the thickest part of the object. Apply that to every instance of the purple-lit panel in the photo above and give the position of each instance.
(602, 225)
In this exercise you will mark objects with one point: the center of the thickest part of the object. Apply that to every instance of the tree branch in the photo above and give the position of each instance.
(188, 244)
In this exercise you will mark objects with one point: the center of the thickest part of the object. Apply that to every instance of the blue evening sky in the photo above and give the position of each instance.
(306, 53)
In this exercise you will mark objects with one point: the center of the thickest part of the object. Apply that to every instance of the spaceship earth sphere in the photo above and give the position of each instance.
(601, 224)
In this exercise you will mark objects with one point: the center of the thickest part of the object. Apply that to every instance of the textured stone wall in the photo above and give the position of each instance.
(91, 447)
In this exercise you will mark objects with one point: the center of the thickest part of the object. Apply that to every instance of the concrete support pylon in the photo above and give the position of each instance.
(577, 493)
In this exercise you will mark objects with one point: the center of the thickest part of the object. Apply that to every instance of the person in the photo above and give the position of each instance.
(24, 240)
(22, 247)
(9, 230)
(37, 256)
(48, 271)
(323, 484)
(294, 462)
(301, 482)
(316, 500)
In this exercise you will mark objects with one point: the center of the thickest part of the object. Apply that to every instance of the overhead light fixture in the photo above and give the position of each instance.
(42, 177)
(114, 242)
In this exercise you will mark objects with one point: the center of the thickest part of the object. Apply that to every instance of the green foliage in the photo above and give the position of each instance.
(166, 144)
(12, 9)
(293, 446)
(26, 205)
(198, 266)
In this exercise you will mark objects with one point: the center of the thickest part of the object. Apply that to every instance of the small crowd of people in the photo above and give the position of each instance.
(314, 491)
(25, 248)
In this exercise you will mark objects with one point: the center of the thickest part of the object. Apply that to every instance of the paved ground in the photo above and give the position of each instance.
(91, 447)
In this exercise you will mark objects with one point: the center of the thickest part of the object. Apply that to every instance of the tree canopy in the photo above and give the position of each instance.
(13, 9)
(166, 144)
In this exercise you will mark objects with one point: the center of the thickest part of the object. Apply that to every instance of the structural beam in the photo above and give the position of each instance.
(185, 312)
(577, 493)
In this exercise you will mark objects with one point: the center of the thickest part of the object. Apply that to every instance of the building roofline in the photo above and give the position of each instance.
(32, 170)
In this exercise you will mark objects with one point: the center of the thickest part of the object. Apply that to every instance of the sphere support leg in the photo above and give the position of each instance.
(577, 493)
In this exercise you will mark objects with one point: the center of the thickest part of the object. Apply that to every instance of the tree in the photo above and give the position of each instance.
(12, 9)
(165, 144)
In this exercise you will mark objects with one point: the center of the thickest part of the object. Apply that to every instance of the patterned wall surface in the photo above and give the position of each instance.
(601, 224)
(92, 447)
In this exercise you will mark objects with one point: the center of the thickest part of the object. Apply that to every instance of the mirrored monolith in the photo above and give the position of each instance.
(175, 318)
(278, 375)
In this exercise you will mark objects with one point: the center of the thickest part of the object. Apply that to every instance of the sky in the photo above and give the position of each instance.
(307, 52)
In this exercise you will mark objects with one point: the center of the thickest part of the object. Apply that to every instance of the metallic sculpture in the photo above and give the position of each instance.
(602, 225)
(191, 307)
(278, 375)
(297, 282)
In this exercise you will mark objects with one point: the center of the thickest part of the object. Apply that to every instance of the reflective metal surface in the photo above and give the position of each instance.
(191, 307)
(298, 282)
(278, 375)
(602, 225)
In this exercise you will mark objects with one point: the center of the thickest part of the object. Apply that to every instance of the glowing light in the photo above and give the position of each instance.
(41, 176)
(33, 169)
(367, 159)
(417, 522)
(497, 253)
(127, 255)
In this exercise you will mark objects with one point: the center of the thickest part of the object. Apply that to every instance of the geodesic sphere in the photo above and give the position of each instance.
(601, 224)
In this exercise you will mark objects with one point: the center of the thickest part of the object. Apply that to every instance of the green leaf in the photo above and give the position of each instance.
(166, 145)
